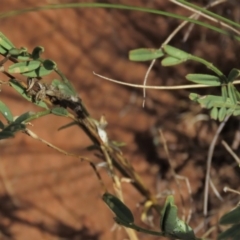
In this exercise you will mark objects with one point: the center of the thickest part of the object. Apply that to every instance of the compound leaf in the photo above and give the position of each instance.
(22, 91)
(39, 72)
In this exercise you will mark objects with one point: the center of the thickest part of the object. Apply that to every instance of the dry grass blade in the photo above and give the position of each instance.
(209, 162)
(232, 153)
(174, 174)
(34, 136)
(190, 86)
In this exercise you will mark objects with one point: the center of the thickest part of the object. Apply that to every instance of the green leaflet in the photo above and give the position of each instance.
(6, 134)
(168, 215)
(222, 114)
(6, 112)
(16, 52)
(171, 61)
(206, 79)
(39, 72)
(231, 217)
(171, 225)
(2, 50)
(145, 54)
(214, 113)
(236, 113)
(234, 73)
(49, 64)
(210, 101)
(24, 56)
(122, 212)
(23, 67)
(5, 42)
(67, 125)
(231, 93)
(1, 125)
(66, 81)
(233, 233)
(24, 117)
(64, 88)
(21, 90)
(176, 53)
(59, 111)
(37, 51)
(224, 92)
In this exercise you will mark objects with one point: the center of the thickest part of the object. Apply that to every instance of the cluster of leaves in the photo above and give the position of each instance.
(170, 224)
(31, 66)
(221, 106)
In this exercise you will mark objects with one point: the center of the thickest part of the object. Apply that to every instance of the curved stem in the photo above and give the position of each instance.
(116, 6)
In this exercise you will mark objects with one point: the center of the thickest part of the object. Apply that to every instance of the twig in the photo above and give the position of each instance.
(196, 16)
(227, 189)
(209, 161)
(232, 153)
(174, 174)
(157, 87)
(206, 16)
(190, 196)
(215, 190)
(34, 136)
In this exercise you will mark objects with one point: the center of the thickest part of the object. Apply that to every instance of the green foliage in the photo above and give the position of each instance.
(31, 65)
(232, 217)
(13, 126)
(5, 111)
(22, 91)
(122, 212)
(220, 106)
(171, 225)
(145, 54)
(59, 111)
(206, 79)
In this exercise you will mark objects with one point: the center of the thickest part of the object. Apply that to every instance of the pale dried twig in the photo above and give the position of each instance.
(34, 136)
(174, 174)
(158, 87)
(232, 153)
(209, 162)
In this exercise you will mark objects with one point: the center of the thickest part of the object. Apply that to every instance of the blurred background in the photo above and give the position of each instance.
(47, 195)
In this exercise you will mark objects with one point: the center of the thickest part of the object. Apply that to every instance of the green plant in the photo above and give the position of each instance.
(60, 98)
(170, 224)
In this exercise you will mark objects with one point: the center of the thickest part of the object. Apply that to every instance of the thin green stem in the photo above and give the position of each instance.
(214, 15)
(116, 6)
(140, 229)
(210, 66)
